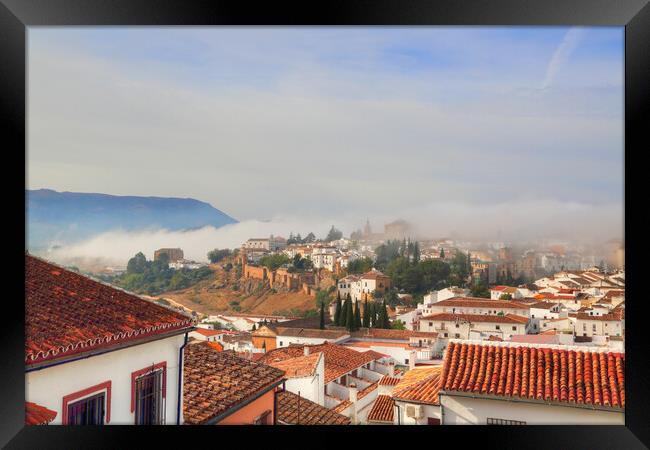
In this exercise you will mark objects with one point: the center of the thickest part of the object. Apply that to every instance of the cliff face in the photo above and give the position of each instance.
(67, 217)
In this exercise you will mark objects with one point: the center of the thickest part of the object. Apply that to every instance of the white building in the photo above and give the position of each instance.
(474, 326)
(473, 305)
(99, 355)
(473, 394)
(305, 375)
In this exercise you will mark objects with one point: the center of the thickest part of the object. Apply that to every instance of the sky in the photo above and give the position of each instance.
(471, 129)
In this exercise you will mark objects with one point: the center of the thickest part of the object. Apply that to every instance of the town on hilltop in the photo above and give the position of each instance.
(386, 329)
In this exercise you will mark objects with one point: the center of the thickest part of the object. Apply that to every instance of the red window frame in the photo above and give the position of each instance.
(144, 371)
(70, 398)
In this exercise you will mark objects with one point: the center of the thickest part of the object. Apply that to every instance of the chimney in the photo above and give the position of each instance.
(353, 399)
(412, 357)
(306, 348)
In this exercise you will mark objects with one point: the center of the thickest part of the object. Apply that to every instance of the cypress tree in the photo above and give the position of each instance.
(416, 253)
(375, 315)
(343, 319)
(322, 316)
(349, 316)
(337, 312)
(384, 322)
(366, 315)
(357, 316)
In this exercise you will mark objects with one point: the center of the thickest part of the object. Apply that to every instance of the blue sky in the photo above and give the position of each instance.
(373, 122)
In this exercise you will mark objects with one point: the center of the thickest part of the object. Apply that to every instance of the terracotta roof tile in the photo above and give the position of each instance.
(481, 303)
(301, 366)
(295, 410)
(339, 360)
(383, 410)
(214, 382)
(420, 385)
(37, 414)
(449, 317)
(556, 374)
(67, 313)
(388, 381)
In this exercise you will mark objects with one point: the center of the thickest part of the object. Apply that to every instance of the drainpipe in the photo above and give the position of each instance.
(399, 413)
(180, 380)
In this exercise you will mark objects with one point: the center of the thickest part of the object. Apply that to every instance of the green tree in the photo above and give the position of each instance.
(217, 255)
(344, 311)
(322, 298)
(416, 253)
(361, 265)
(357, 315)
(273, 262)
(505, 297)
(337, 311)
(398, 325)
(349, 316)
(480, 291)
(137, 264)
(333, 235)
(383, 320)
(366, 315)
(322, 316)
(253, 328)
(442, 253)
(309, 238)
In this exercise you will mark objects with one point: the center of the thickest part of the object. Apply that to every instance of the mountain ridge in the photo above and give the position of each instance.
(66, 217)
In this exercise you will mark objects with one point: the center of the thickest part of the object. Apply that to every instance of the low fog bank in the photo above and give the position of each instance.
(508, 222)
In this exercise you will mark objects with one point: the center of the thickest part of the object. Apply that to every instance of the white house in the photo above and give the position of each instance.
(468, 326)
(305, 375)
(535, 385)
(99, 355)
(473, 305)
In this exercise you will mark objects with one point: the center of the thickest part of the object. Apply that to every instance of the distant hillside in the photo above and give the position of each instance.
(67, 217)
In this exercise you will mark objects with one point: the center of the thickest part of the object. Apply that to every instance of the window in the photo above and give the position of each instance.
(280, 343)
(433, 421)
(457, 326)
(593, 327)
(514, 328)
(406, 361)
(89, 411)
(457, 335)
(498, 327)
(91, 406)
(446, 335)
(493, 421)
(263, 419)
(149, 404)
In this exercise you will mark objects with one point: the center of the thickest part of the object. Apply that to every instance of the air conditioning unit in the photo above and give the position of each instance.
(414, 411)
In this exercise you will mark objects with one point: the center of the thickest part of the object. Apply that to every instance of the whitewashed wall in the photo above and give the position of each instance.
(48, 386)
(469, 411)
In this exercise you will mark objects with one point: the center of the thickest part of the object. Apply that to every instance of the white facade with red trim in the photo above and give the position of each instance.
(111, 373)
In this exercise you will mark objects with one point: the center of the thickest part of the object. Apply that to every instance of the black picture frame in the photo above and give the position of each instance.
(16, 15)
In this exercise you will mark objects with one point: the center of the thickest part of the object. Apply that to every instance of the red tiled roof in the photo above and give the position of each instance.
(301, 366)
(373, 275)
(611, 317)
(388, 381)
(214, 382)
(490, 318)
(481, 303)
(37, 414)
(419, 385)
(295, 410)
(551, 374)
(67, 313)
(382, 410)
(339, 360)
(206, 332)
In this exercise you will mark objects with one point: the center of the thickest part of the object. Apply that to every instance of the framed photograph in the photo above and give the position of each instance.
(326, 216)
